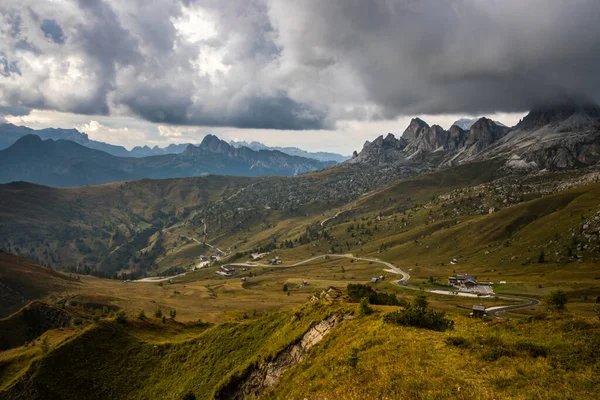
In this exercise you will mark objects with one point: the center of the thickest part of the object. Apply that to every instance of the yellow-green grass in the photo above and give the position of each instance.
(366, 358)
(15, 362)
(553, 357)
(111, 360)
(22, 281)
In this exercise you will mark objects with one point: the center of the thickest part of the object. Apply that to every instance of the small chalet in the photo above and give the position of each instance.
(478, 311)
(276, 261)
(463, 280)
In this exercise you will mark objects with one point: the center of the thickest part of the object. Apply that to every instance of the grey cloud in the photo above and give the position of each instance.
(53, 31)
(300, 64)
(452, 56)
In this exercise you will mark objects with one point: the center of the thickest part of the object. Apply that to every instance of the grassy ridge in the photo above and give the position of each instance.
(129, 368)
(365, 358)
(22, 281)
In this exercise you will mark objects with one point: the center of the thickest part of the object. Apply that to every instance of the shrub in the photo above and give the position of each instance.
(142, 315)
(45, 345)
(420, 317)
(285, 287)
(353, 357)
(420, 300)
(189, 396)
(172, 314)
(532, 349)
(357, 292)
(557, 300)
(121, 317)
(457, 341)
(158, 313)
(364, 308)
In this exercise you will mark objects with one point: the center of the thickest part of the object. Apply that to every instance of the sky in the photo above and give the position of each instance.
(320, 75)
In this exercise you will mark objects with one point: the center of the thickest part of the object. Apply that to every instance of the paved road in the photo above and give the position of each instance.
(492, 311)
(529, 302)
(158, 279)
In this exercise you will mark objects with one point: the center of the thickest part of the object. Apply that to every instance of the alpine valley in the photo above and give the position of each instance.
(227, 272)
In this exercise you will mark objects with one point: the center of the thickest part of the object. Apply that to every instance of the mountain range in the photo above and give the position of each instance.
(66, 163)
(10, 133)
(293, 151)
(564, 136)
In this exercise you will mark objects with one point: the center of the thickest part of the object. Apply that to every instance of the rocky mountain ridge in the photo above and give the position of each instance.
(552, 137)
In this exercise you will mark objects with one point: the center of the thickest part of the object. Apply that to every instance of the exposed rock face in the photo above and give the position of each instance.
(380, 151)
(429, 139)
(563, 136)
(414, 129)
(559, 138)
(267, 374)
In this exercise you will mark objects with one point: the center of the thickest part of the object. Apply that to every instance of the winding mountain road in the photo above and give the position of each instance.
(492, 311)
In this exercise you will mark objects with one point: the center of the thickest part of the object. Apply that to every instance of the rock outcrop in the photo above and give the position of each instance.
(259, 378)
(380, 151)
(563, 136)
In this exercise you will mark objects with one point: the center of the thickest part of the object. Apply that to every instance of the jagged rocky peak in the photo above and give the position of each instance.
(213, 143)
(414, 129)
(483, 133)
(381, 150)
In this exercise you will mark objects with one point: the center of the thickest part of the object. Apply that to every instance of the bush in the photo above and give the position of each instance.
(285, 287)
(557, 300)
(357, 292)
(142, 315)
(172, 314)
(532, 349)
(45, 345)
(121, 317)
(457, 341)
(353, 357)
(420, 317)
(364, 308)
(158, 313)
(420, 300)
(189, 396)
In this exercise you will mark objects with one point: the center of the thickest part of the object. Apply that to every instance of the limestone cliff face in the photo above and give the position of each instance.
(564, 136)
(259, 378)
(380, 151)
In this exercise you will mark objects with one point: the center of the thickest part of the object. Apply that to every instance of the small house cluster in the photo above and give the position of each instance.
(463, 281)
(275, 261)
(376, 279)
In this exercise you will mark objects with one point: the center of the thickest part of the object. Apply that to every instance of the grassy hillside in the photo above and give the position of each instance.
(554, 356)
(130, 367)
(22, 281)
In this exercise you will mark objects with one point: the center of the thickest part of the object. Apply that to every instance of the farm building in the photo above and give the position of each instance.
(478, 311)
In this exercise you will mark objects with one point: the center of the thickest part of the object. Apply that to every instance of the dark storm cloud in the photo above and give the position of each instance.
(53, 31)
(471, 56)
(297, 64)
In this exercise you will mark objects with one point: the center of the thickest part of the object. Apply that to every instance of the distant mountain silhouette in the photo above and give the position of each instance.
(66, 163)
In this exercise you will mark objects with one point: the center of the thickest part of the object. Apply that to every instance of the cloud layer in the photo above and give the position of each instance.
(295, 65)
